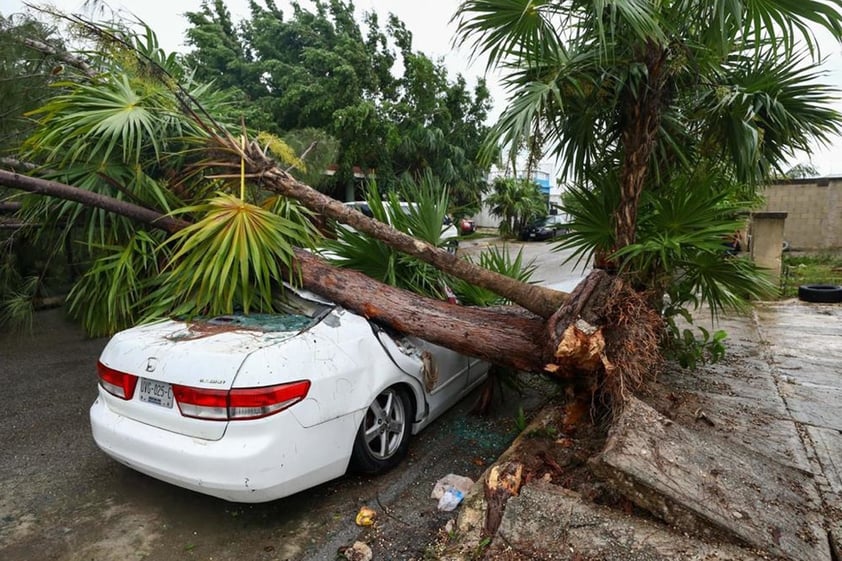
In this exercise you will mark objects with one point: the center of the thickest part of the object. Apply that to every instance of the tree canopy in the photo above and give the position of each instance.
(392, 109)
(28, 65)
(646, 91)
(661, 114)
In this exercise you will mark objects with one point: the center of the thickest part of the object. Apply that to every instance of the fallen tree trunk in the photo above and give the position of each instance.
(537, 299)
(508, 336)
(577, 342)
(89, 198)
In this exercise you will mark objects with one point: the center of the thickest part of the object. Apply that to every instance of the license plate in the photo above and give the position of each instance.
(153, 391)
(532, 235)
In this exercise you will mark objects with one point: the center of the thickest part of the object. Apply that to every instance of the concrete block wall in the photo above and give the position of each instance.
(814, 211)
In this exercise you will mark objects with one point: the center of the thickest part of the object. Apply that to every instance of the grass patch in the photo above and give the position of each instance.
(478, 235)
(810, 269)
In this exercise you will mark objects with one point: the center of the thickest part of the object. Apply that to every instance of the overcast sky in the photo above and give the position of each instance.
(429, 21)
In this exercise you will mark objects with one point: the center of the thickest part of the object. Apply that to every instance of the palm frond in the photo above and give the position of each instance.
(17, 310)
(235, 256)
(499, 260)
(420, 214)
(773, 106)
(504, 28)
(110, 295)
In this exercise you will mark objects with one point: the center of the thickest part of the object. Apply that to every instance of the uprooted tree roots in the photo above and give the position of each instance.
(605, 340)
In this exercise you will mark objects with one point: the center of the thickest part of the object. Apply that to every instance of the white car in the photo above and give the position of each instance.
(255, 408)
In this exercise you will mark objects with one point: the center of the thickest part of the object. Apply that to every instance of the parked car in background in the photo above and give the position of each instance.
(255, 408)
(545, 228)
(467, 226)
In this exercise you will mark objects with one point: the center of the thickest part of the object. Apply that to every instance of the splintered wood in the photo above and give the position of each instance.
(503, 482)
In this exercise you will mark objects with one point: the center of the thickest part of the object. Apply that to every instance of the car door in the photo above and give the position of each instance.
(443, 373)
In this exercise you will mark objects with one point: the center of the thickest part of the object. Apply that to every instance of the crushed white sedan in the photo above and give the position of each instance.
(255, 408)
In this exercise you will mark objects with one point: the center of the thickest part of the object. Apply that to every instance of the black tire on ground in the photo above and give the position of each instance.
(382, 440)
(822, 293)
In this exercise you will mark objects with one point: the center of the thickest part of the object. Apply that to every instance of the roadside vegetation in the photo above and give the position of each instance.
(516, 202)
(825, 268)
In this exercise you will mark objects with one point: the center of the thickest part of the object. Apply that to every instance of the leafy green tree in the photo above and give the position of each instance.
(516, 202)
(25, 73)
(125, 130)
(649, 86)
(638, 99)
(32, 58)
(319, 69)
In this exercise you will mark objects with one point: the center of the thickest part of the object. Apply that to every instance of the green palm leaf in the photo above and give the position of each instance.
(110, 295)
(235, 256)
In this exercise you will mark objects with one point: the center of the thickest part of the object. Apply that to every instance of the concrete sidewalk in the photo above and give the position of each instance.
(778, 393)
(804, 352)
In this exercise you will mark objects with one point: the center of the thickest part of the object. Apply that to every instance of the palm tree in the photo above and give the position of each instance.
(646, 88)
(216, 193)
(124, 130)
(133, 138)
(516, 201)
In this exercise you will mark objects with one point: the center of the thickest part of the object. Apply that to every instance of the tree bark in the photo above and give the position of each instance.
(642, 120)
(63, 56)
(539, 300)
(88, 198)
(507, 336)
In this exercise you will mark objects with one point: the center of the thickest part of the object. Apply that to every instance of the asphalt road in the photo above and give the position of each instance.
(62, 499)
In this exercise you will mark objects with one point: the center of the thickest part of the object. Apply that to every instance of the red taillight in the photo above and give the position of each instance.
(201, 403)
(115, 382)
(239, 403)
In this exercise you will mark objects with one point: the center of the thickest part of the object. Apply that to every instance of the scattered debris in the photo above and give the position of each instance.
(357, 552)
(366, 516)
(701, 416)
(460, 482)
(450, 490)
(450, 500)
(503, 482)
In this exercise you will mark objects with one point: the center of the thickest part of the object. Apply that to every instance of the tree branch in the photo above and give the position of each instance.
(539, 300)
(501, 336)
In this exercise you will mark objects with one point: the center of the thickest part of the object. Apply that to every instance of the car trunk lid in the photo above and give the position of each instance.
(205, 354)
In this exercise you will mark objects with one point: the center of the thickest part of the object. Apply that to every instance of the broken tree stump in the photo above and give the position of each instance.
(503, 482)
(706, 485)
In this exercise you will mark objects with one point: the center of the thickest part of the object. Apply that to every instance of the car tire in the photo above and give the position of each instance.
(382, 440)
(820, 293)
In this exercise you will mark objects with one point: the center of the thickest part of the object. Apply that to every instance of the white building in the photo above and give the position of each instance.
(543, 176)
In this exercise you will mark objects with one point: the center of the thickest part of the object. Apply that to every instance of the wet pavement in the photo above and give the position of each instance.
(804, 344)
(62, 499)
